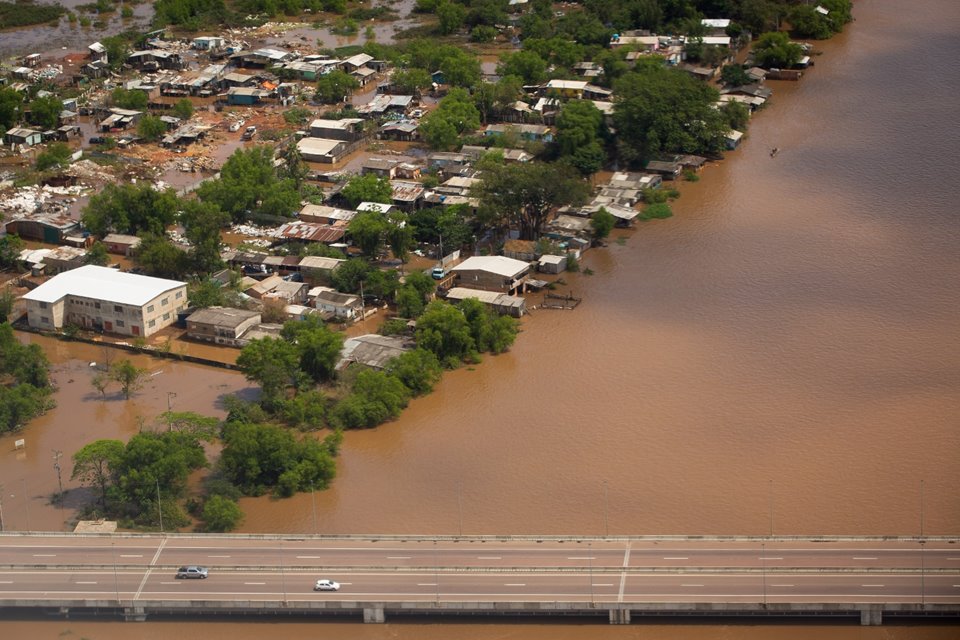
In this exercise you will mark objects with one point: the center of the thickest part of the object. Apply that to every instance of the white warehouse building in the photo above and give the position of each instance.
(104, 299)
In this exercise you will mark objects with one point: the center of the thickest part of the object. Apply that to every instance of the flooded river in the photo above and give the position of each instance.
(780, 356)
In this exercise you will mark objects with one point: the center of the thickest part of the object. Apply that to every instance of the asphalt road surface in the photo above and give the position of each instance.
(421, 569)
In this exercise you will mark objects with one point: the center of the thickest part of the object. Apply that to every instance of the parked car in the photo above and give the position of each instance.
(438, 273)
(192, 572)
(326, 585)
(249, 133)
(97, 140)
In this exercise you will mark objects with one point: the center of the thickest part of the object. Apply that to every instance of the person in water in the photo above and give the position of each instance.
(774, 151)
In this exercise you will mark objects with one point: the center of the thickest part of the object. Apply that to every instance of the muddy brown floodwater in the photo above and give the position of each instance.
(782, 355)
(28, 477)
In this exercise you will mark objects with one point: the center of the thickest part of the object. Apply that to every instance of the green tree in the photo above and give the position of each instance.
(153, 460)
(438, 131)
(602, 222)
(774, 49)
(306, 410)
(10, 247)
(248, 185)
(443, 330)
(159, 257)
(221, 514)
(118, 50)
(348, 276)
(375, 398)
(45, 112)
(97, 254)
(129, 376)
(134, 99)
(202, 222)
(183, 109)
(419, 370)
(524, 194)
(318, 347)
(130, 208)
(452, 16)
(56, 155)
(580, 130)
(409, 302)
(460, 69)
(151, 128)
(11, 102)
(400, 235)
(734, 75)
(490, 332)
(367, 188)
(411, 81)
(95, 465)
(367, 230)
(524, 64)
(273, 364)
(662, 110)
(736, 115)
(335, 87)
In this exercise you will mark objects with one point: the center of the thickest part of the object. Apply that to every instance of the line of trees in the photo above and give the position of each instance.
(25, 387)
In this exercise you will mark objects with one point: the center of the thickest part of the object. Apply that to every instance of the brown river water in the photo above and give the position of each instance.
(782, 355)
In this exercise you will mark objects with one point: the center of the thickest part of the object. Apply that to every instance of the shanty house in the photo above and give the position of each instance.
(493, 273)
(221, 325)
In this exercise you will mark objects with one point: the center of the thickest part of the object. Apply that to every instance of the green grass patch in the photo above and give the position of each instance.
(26, 13)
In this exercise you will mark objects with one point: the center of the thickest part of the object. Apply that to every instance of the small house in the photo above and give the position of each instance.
(345, 306)
(733, 138)
(502, 303)
(552, 264)
(322, 150)
(372, 350)
(121, 244)
(24, 136)
(495, 273)
(208, 43)
(345, 129)
(221, 325)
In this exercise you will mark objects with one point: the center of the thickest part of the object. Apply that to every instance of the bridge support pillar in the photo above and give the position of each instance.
(134, 614)
(871, 616)
(619, 616)
(374, 615)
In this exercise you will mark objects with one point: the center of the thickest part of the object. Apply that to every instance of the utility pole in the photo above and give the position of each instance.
(159, 506)
(57, 454)
(26, 502)
(1, 507)
(460, 503)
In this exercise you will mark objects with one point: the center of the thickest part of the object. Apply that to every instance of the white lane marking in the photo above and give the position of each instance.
(691, 585)
(623, 574)
(11, 582)
(675, 558)
(515, 584)
(156, 556)
(872, 585)
(489, 558)
(308, 557)
(86, 582)
(131, 555)
(862, 558)
(603, 584)
(398, 557)
(44, 555)
(254, 583)
(953, 558)
(581, 557)
(218, 556)
(769, 558)
(426, 584)
(781, 585)
(177, 582)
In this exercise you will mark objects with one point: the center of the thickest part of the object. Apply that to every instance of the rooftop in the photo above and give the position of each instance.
(500, 265)
(102, 283)
(222, 316)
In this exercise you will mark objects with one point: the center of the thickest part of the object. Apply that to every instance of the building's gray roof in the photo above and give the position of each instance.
(372, 350)
(104, 284)
(500, 265)
(222, 316)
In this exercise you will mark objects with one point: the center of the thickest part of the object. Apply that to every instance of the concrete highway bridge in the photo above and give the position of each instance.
(616, 579)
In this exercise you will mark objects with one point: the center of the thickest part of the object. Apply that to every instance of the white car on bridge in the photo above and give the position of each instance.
(326, 585)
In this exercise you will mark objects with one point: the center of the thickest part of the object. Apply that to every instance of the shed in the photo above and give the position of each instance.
(120, 244)
(552, 264)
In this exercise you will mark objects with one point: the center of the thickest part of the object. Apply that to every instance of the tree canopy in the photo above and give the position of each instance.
(130, 209)
(248, 185)
(659, 110)
(524, 194)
